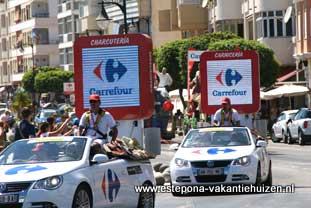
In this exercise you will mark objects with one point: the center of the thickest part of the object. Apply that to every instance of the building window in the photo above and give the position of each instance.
(289, 27)
(68, 24)
(69, 56)
(271, 24)
(62, 56)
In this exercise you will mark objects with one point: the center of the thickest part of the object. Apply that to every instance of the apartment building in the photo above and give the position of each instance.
(226, 16)
(264, 21)
(177, 19)
(5, 77)
(29, 38)
(68, 20)
(302, 39)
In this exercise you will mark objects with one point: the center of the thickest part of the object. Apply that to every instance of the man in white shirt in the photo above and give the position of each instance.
(96, 123)
(226, 116)
(165, 79)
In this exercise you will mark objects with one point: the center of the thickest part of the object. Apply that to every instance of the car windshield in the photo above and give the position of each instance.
(43, 150)
(217, 137)
(292, 115)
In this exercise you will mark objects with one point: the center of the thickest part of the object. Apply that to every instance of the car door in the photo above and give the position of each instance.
(111, 184)
(293, 126)
(260, 151)
(278, 126)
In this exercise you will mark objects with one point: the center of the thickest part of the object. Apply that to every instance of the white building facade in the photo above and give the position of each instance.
(29, 37)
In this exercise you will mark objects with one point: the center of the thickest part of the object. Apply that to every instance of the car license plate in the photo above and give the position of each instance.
(210, 171)
(4, 199)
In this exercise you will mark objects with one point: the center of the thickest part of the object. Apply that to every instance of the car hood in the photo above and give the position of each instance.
(213, 153)
(33, 172)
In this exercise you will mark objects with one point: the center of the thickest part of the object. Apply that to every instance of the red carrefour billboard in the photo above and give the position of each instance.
(119, 69)
(233, 74)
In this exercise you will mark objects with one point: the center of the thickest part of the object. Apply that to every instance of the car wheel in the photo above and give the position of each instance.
(284, 137)
(258, 176)
(274, 139)
(301, 140)
(268, 181)
(289, 137)
(146, 199)
(82, 198)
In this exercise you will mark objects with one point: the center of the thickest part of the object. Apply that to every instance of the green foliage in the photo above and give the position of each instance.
(21, 99)
(173, 55)
(51, 81)
(269, 67)
(47, 79)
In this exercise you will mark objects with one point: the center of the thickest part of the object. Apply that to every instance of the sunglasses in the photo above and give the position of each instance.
(93, 101)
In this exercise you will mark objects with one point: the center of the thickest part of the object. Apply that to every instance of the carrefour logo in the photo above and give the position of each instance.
(229, 78)
(232, 77)
(114, 70)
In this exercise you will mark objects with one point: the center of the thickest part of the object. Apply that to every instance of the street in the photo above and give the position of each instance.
(291, 164)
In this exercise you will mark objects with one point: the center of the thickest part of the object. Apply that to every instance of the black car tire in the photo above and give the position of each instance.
(82, 196)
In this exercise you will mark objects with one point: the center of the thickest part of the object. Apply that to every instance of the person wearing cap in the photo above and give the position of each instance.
(226, 115)
(97, 122)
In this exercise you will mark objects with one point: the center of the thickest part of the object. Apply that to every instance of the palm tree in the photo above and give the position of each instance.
(21, 99)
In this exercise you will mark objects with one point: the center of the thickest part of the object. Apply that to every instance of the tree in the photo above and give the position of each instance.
(269, 67)
(173, 56)
(52, 81)
(47, 79)
(21, 99)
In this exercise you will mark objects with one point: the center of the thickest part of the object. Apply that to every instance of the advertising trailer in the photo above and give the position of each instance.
(119, 69)
(232, 74)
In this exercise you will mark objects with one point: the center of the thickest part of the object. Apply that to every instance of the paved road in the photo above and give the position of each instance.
(291, 164)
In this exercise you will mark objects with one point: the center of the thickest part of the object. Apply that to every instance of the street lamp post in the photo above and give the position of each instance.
(103, 16)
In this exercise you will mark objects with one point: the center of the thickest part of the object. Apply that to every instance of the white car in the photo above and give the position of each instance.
(299, 128)
(221, 155)
(63, 173)
(280, 127)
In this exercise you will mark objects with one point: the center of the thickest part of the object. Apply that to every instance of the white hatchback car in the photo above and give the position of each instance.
(63, 173)
(280, 128)
(221, 155)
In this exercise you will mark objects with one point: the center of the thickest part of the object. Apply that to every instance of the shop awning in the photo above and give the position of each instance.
(286, 91)
(287, 76)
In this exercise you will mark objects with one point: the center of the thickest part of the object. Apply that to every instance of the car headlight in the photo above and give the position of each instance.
(244, 161)
(181, 162)
(50, 183)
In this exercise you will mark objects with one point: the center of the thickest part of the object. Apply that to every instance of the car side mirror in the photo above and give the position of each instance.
(99, 158)
(174, 147)
(261, 143)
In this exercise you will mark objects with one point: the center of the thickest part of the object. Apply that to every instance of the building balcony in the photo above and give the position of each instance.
(38, 49)
(116, 14)
(17, 77)
(34, 23)
(282, 47)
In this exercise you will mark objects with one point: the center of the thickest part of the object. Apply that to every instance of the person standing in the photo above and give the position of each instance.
(97, 122)
(25, 129)
(165, 79)
(226, 115)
